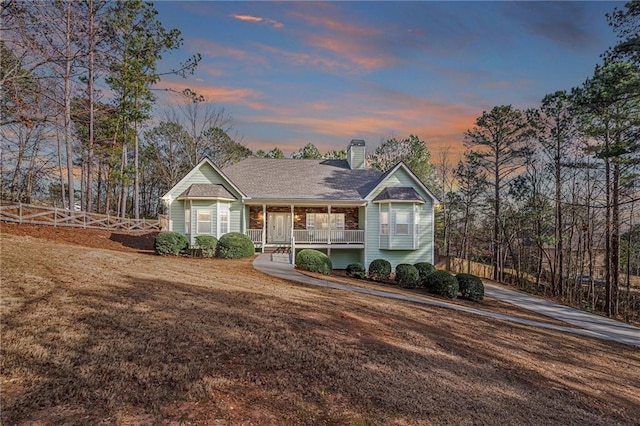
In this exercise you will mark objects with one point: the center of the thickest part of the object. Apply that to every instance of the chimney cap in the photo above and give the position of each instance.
(356, 142)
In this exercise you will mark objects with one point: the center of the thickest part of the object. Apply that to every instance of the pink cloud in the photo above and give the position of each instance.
(258, 19)
(222, 95)
(213, 49)
(306, 59)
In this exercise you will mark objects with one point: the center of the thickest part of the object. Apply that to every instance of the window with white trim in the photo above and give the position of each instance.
(402, 223)
(203, 225)
(384, 223)
(187, 220)
(224, 219)
(320, 221)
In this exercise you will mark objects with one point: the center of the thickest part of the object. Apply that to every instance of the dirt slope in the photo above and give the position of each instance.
(96, 336)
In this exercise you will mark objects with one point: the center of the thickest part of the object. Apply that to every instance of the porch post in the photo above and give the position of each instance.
(264, 226)
(329, 225)
(293, 220)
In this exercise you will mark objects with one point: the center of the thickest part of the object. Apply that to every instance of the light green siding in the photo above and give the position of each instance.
(203, 174)
(342, 258)
(399, 248)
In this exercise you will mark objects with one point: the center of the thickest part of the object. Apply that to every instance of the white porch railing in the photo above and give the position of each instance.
(304, 236)
(255, 235)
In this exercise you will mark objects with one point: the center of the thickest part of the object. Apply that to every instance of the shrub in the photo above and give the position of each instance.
(169, 242)
(314, 261)
(442, 283)
(471, 287)
(407, 275)
(207, 243)
(380, 270)
(356, 270)
(235, 245)
(424, 269)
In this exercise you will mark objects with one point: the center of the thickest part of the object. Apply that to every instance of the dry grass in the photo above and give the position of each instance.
(97, 336)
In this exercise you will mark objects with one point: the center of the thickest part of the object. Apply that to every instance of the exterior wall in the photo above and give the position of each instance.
(341, 258)
(351, 215)
(235, 217)
(376, 247)
(204, 174)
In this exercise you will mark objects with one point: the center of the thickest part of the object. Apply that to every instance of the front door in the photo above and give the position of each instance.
(279, 228)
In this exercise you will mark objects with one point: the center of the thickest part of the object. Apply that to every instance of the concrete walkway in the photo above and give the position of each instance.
(588, 324)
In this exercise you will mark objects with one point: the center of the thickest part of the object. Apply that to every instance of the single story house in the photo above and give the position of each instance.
(340, 207)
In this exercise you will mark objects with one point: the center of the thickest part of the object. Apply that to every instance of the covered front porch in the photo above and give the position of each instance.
(306, 226)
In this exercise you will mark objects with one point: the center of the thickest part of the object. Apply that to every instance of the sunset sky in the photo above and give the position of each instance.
(290, 73)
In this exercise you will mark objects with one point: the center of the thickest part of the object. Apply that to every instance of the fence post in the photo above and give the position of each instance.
(55, 217)
(20, 211)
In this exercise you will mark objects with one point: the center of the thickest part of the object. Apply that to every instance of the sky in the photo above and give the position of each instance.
(292, 73)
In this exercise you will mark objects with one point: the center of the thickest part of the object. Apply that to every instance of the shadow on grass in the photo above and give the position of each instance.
(147, 344)
(142, 242)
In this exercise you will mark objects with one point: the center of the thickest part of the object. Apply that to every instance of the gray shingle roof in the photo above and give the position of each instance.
(402, 193)
(273, 178)
(206, 190)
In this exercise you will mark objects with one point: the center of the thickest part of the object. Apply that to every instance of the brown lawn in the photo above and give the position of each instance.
(93, 336)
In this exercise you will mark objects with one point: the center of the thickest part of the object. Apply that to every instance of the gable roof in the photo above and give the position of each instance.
(395, 168)
(206, 191)
(195, 169)
(399, 193)
(279, 178)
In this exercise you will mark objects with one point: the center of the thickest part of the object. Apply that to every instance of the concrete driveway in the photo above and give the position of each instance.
(599, 326)
(587, 324)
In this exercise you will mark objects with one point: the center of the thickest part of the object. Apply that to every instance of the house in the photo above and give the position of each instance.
(351, 213)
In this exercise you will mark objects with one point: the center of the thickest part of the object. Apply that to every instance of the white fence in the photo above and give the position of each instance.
(40, 215)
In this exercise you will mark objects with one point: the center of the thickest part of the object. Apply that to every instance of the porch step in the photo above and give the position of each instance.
(278, 250)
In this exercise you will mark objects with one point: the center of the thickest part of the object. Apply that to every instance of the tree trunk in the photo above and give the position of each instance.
(615, 239)
(497, 275)
(90, 78)
(608, 308)
(123, 182)
(67, 109)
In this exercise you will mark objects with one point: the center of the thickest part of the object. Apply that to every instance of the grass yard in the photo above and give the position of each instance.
(121, 336)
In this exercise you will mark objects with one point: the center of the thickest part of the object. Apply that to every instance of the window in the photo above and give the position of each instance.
(187, 221)
(384, 223)
(224, 219)
(204, 222)
(402, 223)
(320, 221)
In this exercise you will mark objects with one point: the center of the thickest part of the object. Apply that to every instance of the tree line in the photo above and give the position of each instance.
(544, 195)
(550, 194)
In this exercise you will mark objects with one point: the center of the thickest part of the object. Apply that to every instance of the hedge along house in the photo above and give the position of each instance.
(340, 207)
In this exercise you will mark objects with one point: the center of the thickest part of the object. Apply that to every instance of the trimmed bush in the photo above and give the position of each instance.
(356, 270)
(442, 283)
(424, 269)
(314, 261)
(380, 270)
(407, 275)
(169, 242)
(471, 287)
(235, 245)
(207, 243)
